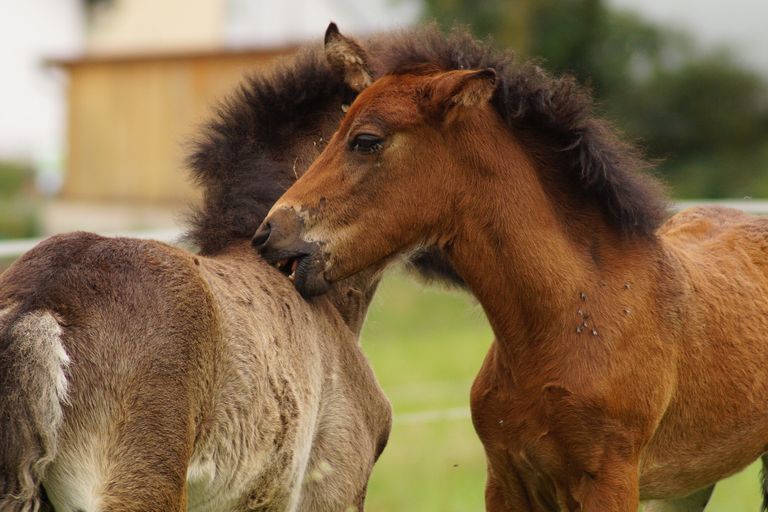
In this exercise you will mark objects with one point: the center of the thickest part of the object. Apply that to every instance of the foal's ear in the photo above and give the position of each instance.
(347, 58)
(453, 92)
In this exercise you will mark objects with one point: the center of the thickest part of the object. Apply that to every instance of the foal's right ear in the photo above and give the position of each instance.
(347, 58)
(454, 92)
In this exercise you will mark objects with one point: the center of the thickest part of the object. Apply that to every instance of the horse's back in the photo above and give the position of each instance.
(719, 296)
(132, 318)
(721, 255)
(720, 240)
(703, 222)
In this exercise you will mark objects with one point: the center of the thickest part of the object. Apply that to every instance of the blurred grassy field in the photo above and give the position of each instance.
(426, 344)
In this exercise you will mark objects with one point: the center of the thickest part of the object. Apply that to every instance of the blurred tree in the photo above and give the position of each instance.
(702, 114)
(18, 208)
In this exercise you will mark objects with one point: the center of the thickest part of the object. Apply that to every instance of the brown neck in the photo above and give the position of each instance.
(537, 275)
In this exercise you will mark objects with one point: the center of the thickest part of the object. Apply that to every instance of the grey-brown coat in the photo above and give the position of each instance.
(134, 372)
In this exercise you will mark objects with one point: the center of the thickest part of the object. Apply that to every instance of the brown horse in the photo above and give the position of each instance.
(135, 376)
(630, 359)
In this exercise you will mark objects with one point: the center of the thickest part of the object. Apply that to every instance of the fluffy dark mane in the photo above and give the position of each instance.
(557, 113)
(256, 146)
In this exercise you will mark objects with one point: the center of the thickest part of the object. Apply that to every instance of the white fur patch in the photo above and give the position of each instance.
(204, 470)
(76, 479)
(40, 362)
(38, 334)
(4, 312)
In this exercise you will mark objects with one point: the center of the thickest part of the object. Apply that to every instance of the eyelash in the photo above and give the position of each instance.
(366, 143)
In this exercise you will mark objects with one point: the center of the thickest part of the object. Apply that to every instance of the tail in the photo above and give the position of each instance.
(764, 482)
(33, 387)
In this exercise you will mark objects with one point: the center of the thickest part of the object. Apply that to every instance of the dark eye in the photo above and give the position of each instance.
(366, 143)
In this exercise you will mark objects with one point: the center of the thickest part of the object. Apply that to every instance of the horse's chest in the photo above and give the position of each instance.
(542, 442)
(533, 463)
(526, 461)
(513, 423)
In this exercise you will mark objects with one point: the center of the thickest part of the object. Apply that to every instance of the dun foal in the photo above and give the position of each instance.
(630, 359)
(135, 376)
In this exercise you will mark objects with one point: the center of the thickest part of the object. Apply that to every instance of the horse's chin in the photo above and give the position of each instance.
(309, 277)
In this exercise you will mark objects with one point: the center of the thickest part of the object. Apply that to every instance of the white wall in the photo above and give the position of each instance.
(142, 26)
(276, 22)
(31, 95)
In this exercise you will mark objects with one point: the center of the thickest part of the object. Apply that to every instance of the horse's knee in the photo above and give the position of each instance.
(616, 488)
(507, 493)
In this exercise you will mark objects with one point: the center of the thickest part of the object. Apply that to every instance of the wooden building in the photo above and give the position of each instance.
(131, 117)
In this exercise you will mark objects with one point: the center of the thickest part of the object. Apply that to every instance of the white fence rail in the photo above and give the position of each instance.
(14, 248)
(746, 204)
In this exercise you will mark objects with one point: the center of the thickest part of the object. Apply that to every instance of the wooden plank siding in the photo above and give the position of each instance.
(131, 117)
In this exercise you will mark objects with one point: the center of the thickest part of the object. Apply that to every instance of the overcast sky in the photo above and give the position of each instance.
(740, 24)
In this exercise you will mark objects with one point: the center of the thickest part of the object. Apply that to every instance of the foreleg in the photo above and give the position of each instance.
(695, 502)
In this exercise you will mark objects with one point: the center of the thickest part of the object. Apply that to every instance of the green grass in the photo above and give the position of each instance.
(426, 345)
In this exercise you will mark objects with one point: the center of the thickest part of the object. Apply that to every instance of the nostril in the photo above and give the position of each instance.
(262, 235)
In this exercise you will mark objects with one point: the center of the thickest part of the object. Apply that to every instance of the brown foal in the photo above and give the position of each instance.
(630, 359)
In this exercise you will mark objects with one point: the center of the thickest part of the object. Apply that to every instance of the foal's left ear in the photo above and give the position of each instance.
(347, 58)
(453, 92)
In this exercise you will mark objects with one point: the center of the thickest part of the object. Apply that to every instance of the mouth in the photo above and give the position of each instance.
(303, 267)
(288, 266)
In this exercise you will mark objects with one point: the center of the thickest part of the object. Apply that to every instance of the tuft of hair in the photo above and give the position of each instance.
(764, 483)
(432, 265)
(246, 156)
(33, 366)
(556, 112)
